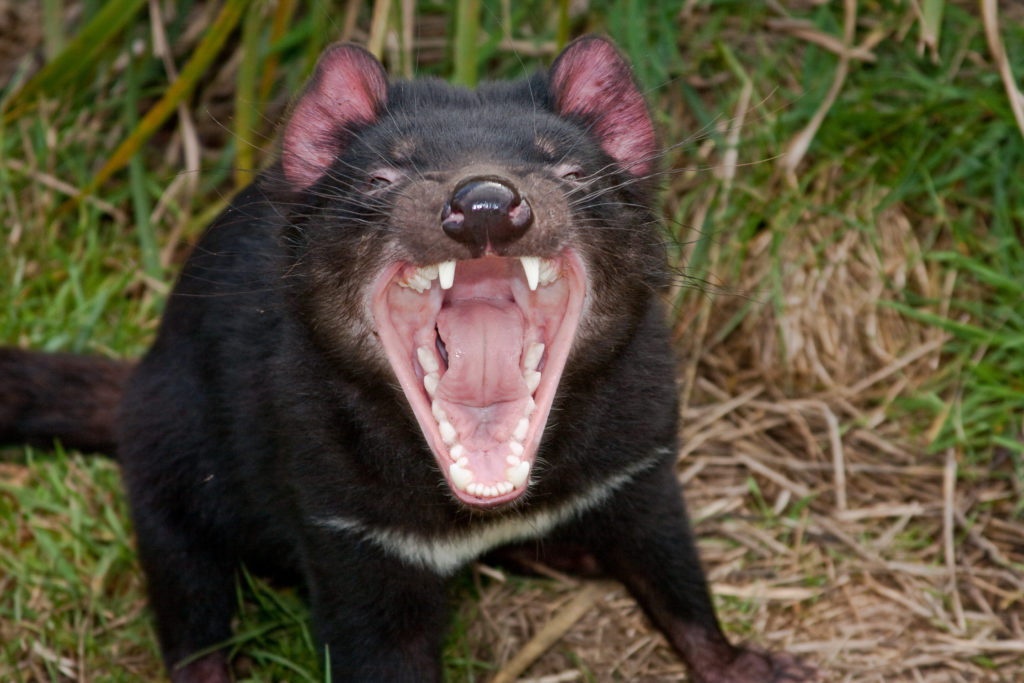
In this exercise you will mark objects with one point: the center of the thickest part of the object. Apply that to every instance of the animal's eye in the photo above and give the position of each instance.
(381, 178)
(573, 174)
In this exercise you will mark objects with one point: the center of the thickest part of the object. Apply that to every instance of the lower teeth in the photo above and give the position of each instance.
(460, 474)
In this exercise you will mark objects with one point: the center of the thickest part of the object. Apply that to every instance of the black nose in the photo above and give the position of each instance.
(486, 211)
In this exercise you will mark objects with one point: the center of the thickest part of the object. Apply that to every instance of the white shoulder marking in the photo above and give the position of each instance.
(446, 554)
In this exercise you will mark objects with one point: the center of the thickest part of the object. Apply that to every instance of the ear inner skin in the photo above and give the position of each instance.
(348, 88)
(591, 80)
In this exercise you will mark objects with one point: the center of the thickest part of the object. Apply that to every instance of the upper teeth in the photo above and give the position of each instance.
(538, 271)
(531, 266)
(446, 274)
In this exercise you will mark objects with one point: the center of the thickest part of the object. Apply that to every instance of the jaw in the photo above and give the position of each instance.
(479, 356)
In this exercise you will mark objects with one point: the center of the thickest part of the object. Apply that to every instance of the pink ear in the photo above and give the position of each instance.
(348, 87)
(592, 80)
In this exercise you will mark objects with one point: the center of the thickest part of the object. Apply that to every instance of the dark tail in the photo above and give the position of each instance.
(60, 396)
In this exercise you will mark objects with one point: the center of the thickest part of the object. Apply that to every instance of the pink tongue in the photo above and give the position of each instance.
(484, 342)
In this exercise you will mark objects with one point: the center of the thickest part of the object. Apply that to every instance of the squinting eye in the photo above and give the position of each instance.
(573, 174)
(381, 178)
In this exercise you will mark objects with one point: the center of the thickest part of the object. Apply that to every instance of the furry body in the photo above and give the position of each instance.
(318, 407)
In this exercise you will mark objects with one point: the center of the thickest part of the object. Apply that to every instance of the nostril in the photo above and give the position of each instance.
(486, 211)
(451, 219)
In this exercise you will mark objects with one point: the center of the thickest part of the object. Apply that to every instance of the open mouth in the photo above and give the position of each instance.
(478, 347)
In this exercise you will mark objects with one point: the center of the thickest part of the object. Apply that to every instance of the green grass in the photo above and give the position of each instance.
(88, 272)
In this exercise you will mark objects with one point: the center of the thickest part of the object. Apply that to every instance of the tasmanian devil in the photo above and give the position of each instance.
(431, 330)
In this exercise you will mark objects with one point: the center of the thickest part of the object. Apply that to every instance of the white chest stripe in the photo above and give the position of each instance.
(446, 554)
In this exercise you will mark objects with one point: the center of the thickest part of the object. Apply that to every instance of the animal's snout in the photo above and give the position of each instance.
(486, 212)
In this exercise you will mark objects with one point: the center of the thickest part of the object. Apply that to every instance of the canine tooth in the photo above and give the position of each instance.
(461, 477)
(446, 274)
(519, 433)
(518, 474)
(532, 378)
(430, 382)
(515, 447)
(448, 433)
(428, 361)
(531, 359)
(456, 452)
(531, 266)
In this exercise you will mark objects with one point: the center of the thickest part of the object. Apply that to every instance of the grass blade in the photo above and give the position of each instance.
(196, 67)
(379, 27)
(245, 97)
(78, 58)
(467, 37)
(282, 16)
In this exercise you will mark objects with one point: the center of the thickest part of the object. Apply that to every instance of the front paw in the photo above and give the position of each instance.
(754, 666)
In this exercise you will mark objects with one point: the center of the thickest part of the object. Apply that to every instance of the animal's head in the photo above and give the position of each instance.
(473, 242)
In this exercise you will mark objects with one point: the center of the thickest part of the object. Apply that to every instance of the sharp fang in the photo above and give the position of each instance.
(518, 474)
(531, 266)
(461, 476)
(446, 274)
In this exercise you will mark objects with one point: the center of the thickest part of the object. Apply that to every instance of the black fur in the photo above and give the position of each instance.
(266, 427)
(60, 396)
